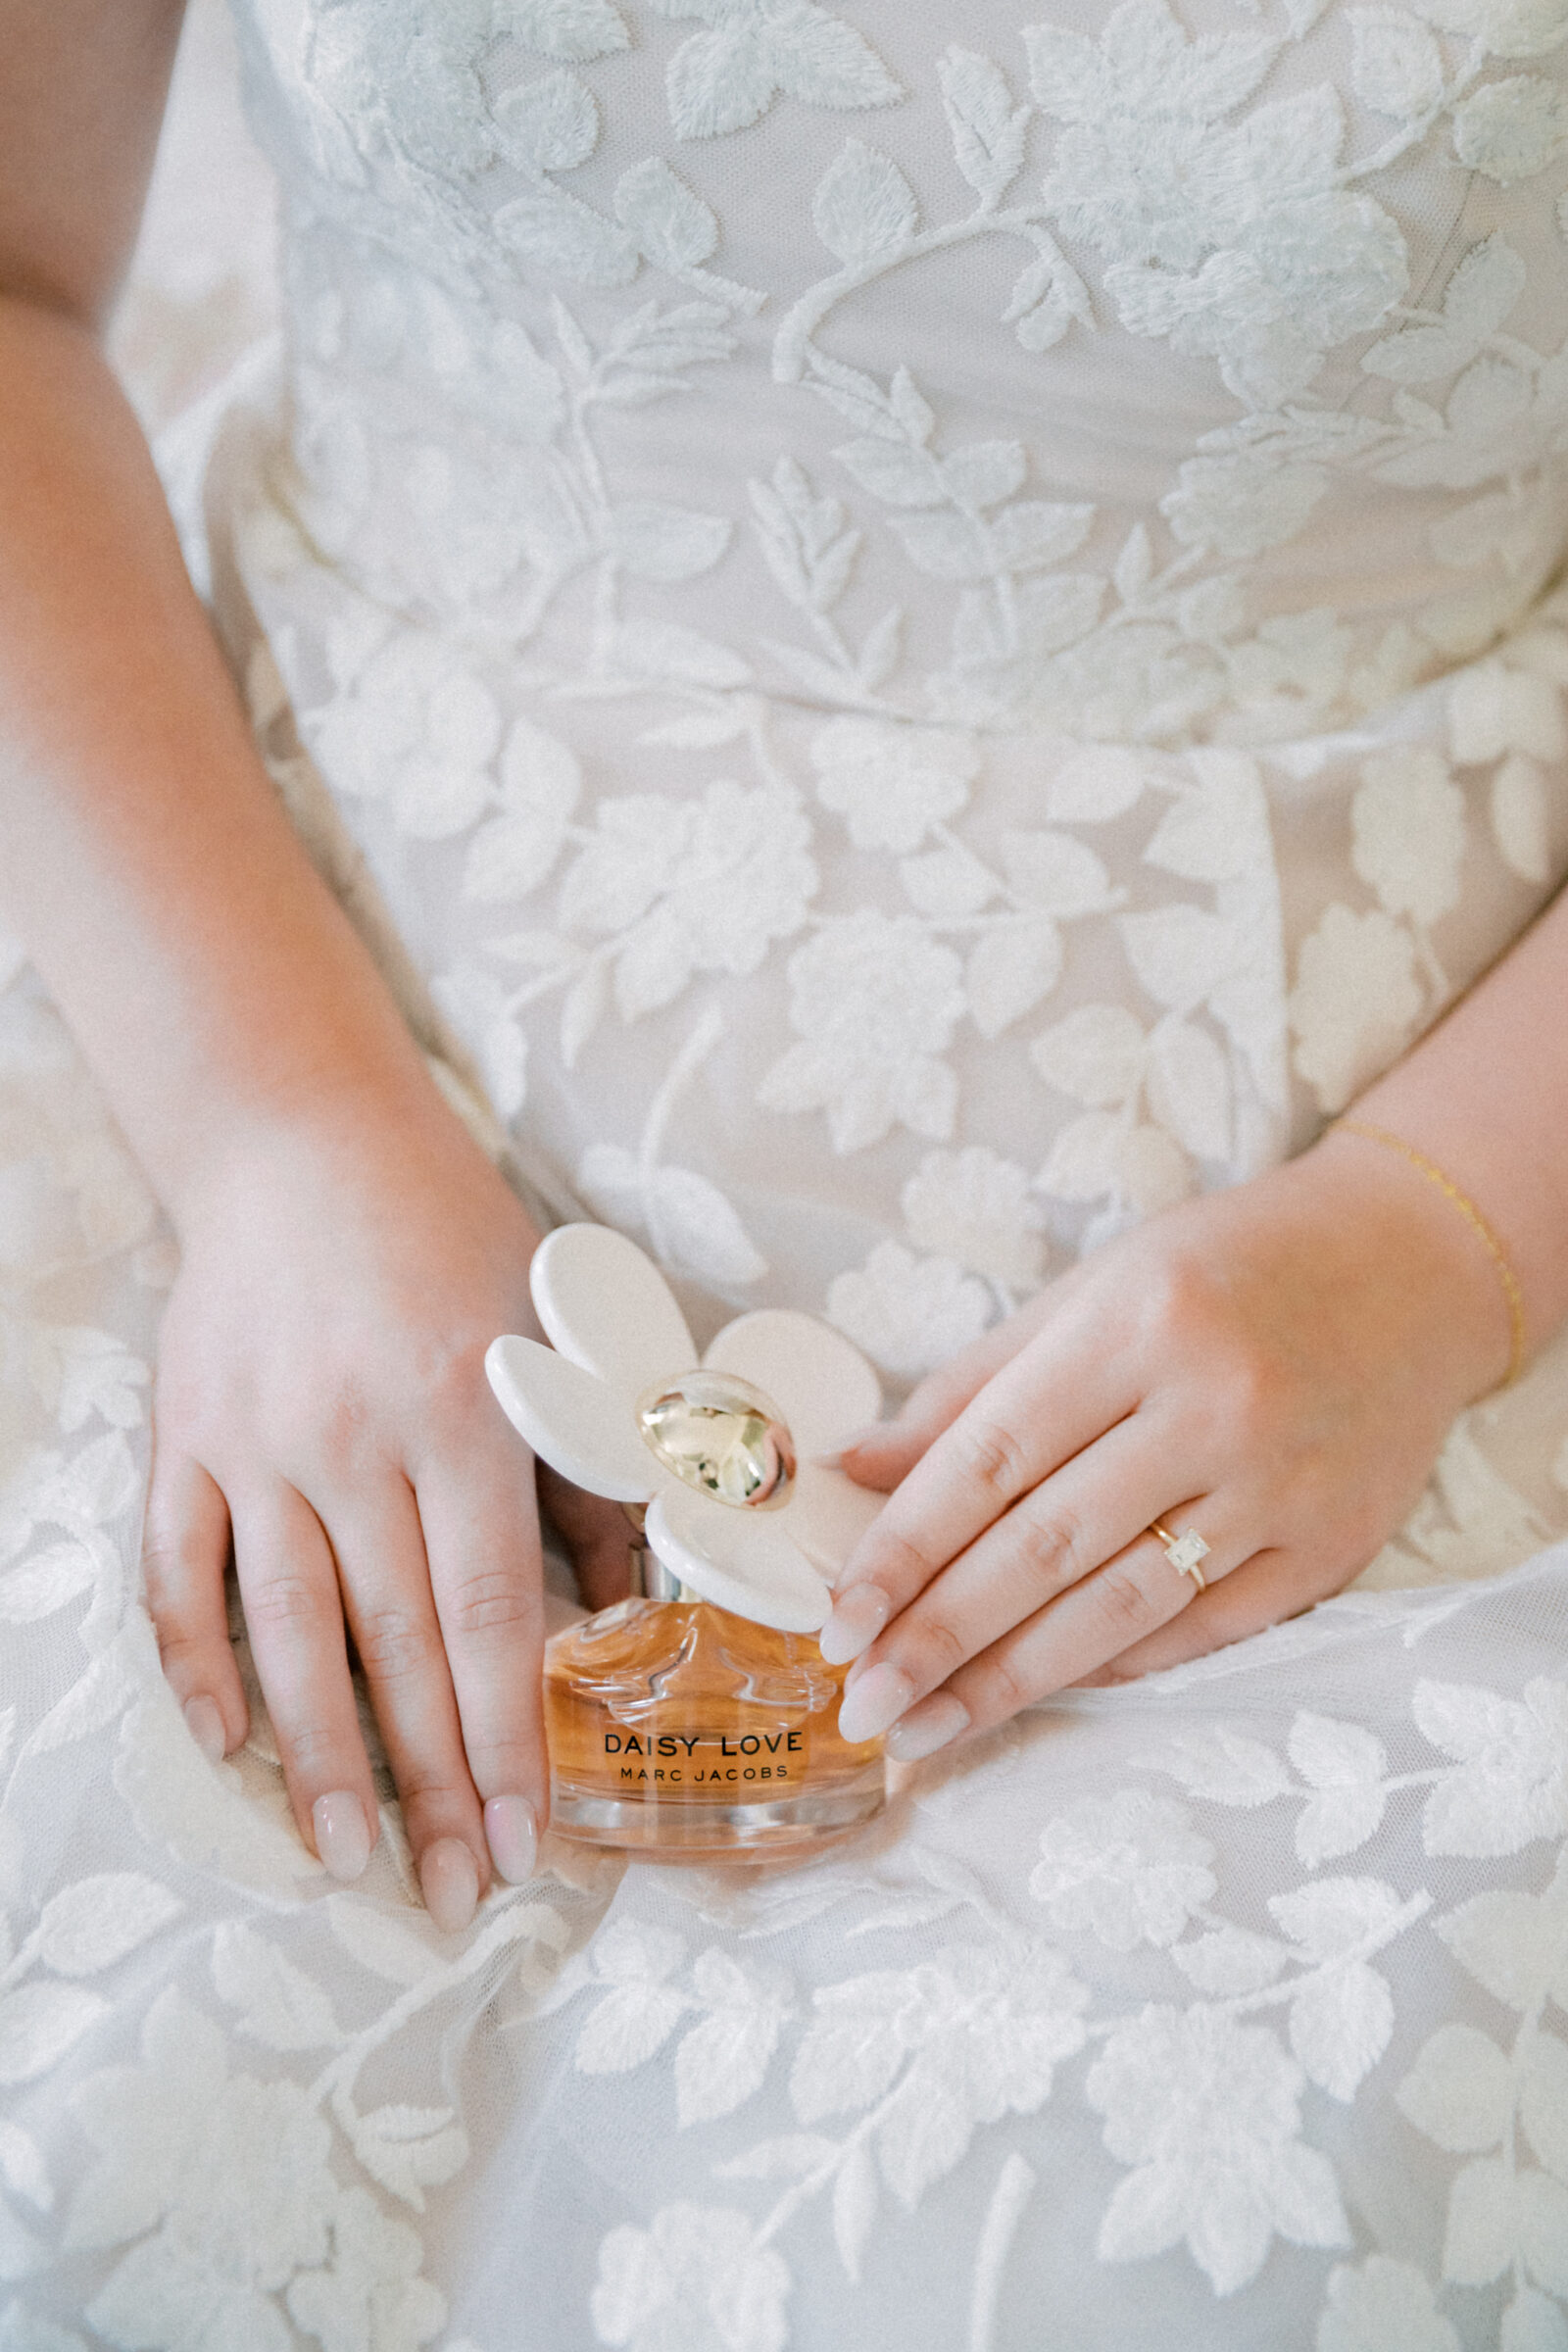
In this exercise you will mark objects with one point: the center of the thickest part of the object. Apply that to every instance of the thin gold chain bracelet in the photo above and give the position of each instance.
(1473, 1218)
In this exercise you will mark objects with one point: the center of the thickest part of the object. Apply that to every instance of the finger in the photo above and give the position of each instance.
(392, 1615)
(1032, 1417)
(294, 1616)
(481, 1532)
(1059, 1532)
(185, 1559)
(881, 1455)
(597, 1533)
(1124, 1602)
(1265, 1591)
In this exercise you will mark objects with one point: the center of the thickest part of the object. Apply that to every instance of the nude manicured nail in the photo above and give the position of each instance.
(511, 1832)
(873, 1433)
(877, 1700)
(927, 1727)
(448, 1880)
(342, 1834)
(855, 1624)
(206, 1727)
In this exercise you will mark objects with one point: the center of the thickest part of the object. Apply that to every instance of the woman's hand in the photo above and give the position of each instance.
(322, 1403)
(1274, 1366)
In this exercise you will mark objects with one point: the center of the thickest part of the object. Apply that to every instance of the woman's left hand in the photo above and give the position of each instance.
(1274, 1366)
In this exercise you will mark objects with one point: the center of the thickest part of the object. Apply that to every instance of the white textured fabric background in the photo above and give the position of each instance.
(1227, 2011)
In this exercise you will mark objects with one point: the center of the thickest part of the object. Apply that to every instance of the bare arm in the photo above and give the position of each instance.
(347, 1252)
(1275, 1365)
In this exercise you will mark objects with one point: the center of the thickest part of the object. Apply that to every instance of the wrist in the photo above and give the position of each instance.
(385, 1133)
(1423, 1241)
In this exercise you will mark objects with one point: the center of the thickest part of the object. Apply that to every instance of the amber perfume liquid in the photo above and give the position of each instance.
(686, 1735)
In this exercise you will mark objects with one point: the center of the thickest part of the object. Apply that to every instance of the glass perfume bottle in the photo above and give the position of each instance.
(697, 1720)
(688, 1734)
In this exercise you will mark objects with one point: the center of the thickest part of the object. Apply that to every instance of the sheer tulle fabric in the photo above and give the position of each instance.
(906, 653)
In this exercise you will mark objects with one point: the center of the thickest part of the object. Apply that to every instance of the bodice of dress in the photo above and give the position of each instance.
(1128, 373)
(929, 642)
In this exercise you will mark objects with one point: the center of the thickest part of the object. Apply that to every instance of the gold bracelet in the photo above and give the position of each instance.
(1473, 1218)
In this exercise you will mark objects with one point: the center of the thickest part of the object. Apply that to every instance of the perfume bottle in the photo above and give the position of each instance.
(698, 1719)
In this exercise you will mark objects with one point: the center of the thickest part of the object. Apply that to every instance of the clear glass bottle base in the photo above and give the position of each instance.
(687, 1832)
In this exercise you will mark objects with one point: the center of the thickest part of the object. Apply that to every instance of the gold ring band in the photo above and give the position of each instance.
(1184, 1552)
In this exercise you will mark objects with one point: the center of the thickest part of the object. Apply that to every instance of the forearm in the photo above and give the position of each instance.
(144, 857)
(1485, 1096)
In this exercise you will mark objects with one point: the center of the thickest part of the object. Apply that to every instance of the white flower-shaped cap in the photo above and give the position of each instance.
(725, 1453)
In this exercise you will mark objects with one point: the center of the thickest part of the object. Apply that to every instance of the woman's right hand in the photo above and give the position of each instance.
(321, 1404)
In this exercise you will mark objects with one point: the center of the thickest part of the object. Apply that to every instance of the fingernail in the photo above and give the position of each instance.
(928, 1727)
(206, 1727)
(511, 1829)
(877, 1700)
(872, 1435)
(855, 1623)
(342, 1834)
(448, 1880)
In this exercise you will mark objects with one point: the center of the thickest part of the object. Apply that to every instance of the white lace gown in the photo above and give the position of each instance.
(907, 650)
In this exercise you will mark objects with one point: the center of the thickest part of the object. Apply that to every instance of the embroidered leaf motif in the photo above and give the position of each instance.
(895, 473)
(667, 543)
(692, 1227)
(99, 1920)
(1095, 1055)
(987, 130)
(675, 229)
(47, 1581)
(1055, 873)
(864, 207)
(663, 650)
(1511, 1785)
(723, 2060)
(560, 232)
(379, 1942)
(1460, 2090)
(22, 2168)
(982, 473)
(38, 2023)
(1396, 66)
(946, 883)
(1179, 954)
(548, 125)
(576, 30)
(1009, 974)
(1484, 288)
(1208, 834)
(849, 2054)
(1345, 1765)
(278, 2004)
(1340, 2027)
(725, 79)
(1479, 2241)
(1032, 532)
(1225, 1766)
(409, 2149)
(1189, 1088)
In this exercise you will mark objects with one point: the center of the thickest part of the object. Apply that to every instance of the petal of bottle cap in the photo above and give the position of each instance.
(738, 1560)
(604, 1306)
(820, 1380)
(571, 1420)
(828, 1514)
